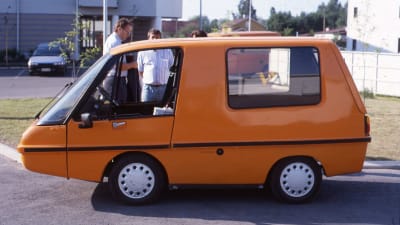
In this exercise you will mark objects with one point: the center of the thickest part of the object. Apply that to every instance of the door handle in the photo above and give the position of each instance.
(118, 124)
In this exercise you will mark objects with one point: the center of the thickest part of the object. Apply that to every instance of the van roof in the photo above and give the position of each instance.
(213, 41)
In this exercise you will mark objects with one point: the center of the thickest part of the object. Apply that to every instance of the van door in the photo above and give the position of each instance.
(90, 149)
(104, 127)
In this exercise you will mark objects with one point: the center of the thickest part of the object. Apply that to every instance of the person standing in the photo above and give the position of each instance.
(198, 33)
(122, 31)
(153, 67)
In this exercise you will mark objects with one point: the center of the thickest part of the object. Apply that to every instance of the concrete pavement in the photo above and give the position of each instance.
(384, 164)
(10, 153)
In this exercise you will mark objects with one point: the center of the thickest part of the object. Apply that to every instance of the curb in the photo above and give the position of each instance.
(10, 153)
(16, 156)
(395, 165)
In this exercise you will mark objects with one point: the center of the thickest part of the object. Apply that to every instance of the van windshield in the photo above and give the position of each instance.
(58, 113)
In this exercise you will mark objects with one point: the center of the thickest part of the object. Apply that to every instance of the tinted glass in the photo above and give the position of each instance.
(265, 77)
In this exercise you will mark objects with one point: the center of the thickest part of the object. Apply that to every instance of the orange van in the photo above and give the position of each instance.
(260, 112)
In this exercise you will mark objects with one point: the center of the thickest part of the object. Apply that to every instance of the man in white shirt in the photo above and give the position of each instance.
(153, 66)
(122, 31)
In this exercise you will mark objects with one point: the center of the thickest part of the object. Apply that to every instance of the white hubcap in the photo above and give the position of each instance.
(297, 179)
(136, 180)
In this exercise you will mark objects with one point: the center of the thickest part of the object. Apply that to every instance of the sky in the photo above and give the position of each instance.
(219, 9)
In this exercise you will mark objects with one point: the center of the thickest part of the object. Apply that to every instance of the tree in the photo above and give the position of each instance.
(214, 25)
(332, 15)
(309, 23)
(342, 19)
(208, 26)
(68, 47)
(282, 22)
(186, 30)
(243, 8)
(205, 21)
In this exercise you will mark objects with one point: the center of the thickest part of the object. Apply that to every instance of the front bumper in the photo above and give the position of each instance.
(47, 68)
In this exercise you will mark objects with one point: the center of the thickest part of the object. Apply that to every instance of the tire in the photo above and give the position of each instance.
(295, 180)
(136, 180)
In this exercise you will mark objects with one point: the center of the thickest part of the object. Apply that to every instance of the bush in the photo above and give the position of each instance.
(367, 93)
(13, 56)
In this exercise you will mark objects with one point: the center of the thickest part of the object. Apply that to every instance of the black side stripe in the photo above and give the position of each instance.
(211, 144)
(98, 148)
(117, 148)
(45, 149)
(264, 143)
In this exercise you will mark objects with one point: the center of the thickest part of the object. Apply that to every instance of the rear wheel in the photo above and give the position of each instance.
(295, 180)
(137, 179)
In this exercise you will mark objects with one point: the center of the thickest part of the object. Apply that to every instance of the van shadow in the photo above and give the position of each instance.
(346, 202)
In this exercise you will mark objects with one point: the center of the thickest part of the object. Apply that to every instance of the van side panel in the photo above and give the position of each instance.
(202, 104)
(349, 79)
(331, 132)
(342, 97)
(250, 164)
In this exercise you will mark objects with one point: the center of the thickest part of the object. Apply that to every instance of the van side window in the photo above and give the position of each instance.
(266, 77)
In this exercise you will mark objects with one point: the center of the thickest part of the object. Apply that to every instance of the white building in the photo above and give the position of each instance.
(373, 25)
(26, 23)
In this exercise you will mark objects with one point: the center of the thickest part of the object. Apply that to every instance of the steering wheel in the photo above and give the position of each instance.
(107, 95)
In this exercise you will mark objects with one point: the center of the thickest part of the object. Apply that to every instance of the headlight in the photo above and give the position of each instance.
(30, 63)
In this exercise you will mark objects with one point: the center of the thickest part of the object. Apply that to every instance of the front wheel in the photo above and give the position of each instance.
(136, 180)
(295, 180)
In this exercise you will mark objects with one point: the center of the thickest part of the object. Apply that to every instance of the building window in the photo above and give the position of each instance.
(354, 47)
(92, 31)
(355, 12)
(268, 77)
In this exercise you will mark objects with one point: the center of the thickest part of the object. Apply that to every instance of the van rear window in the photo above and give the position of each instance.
(265, 77)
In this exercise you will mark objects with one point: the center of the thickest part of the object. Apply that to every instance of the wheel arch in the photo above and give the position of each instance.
(303, 188)
(113, 161)
(277, 162)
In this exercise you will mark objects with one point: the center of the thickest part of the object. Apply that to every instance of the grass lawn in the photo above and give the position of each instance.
(384, 113)
(17, 114)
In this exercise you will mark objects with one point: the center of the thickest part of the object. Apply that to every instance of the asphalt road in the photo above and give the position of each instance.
(16, 83)
(370, 197)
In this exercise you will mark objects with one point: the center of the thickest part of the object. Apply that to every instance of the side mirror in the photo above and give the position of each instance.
(86, 121)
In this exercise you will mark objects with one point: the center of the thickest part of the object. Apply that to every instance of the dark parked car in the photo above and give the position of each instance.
(47, 59)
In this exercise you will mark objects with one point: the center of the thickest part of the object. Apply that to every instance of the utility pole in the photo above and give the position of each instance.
(6, 36)
(105, 20)
(76, 41)
(201, 16)
(249, 15)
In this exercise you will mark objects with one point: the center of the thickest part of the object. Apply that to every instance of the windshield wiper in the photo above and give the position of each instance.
(37, 116)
